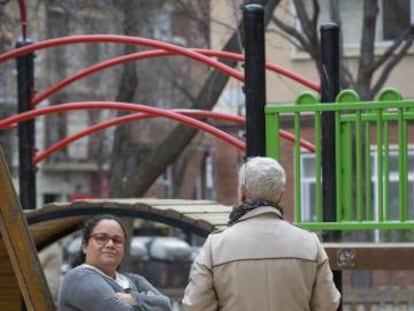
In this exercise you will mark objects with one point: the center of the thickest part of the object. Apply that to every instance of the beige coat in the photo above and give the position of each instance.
(261, 263)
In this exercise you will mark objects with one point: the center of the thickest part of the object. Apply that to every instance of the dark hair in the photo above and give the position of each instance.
(88, 227)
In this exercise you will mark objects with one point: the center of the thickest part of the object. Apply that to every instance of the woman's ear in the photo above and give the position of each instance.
(84, 248)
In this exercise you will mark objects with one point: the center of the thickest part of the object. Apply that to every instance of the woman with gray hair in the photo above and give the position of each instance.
(261, 262)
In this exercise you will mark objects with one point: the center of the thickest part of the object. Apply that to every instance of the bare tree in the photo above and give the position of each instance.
(150, 161)
(142, 164)
(136, 164)
(373, 70)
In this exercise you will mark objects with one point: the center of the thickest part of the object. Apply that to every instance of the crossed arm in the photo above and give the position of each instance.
(89, 291)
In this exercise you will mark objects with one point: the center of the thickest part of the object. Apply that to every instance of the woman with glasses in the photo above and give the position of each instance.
(95, 283)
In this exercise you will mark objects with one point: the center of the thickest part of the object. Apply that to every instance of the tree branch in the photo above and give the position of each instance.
(166, 152)
(392, 62)
(303, 17)
(389, 52)
(293, 32)
(370, 11)
(315, 18)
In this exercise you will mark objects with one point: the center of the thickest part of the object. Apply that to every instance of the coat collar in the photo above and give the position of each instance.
(261, 211)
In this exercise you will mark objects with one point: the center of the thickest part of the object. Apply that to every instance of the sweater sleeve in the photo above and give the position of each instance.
(147, 297)
(85, 290)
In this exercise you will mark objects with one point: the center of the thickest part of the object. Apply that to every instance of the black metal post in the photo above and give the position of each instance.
(330, 87)
(255, 79)
(26, 130)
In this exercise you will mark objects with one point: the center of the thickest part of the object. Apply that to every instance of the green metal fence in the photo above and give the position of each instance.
(372, 159)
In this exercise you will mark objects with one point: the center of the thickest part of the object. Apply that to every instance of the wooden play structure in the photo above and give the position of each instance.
(23, 233)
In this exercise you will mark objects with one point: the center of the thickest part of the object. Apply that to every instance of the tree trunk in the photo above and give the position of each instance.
(142, 166)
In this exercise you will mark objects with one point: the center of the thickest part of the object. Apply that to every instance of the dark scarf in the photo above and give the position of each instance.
(238, 211)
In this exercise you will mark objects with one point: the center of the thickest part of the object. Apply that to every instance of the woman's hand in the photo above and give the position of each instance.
(126, 298)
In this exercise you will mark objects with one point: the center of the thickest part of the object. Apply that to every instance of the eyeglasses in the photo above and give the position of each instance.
(103, 238)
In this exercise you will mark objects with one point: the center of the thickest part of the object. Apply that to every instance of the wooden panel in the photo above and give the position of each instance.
(210, 218)
(53, 229)
(197, 208)
(370, 256)
(10, 295)
(11, 305)
(20, 246)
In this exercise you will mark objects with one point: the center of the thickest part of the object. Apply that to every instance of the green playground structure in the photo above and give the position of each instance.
(369, 135)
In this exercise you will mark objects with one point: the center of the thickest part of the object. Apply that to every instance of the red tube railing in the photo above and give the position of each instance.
(158, 53)
(201, 55)
(122, 39)
(7, 123)
(124, 106)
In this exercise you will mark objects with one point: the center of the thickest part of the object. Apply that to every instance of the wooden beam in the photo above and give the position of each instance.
(20, 246)
(370, 256)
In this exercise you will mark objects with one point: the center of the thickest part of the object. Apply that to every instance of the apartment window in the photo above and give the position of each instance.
(394, 182)
(396, 17)
(393, 17)
(308, 186)
(163, 19)
(308, 189)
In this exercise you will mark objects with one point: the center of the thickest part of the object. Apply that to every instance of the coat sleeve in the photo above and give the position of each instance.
(148, 297)
(87, 291)
(325, 296)
(199, 294)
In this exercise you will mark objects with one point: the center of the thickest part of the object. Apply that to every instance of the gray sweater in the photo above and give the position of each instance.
(84, 289)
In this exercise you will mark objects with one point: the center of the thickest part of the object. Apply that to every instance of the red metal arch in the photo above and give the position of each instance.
(139, 116)
(5, 123)
(124, 106)
(122, 39)
(158, 53)
(168, 50)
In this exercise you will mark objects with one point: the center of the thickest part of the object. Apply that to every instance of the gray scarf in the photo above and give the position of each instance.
(238, 211)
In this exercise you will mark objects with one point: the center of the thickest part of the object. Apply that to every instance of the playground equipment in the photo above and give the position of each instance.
(20, 266)
(23, 234)
(380, 124)
(48, 224)
(24, 54)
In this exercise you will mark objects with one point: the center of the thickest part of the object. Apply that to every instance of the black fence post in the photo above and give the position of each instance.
(26, 129)
(330, 86)
(255, 79)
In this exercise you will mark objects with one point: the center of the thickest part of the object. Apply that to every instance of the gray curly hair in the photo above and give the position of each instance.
(263, 179)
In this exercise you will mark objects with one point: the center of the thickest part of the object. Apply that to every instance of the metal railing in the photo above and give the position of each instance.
(365, 133)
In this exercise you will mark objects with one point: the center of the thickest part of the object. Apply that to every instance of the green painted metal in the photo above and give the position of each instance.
(339, 168)
(298, 186)
(272, 137)
(363, 130)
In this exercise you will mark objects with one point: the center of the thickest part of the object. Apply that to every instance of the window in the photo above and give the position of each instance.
(393, 17)
(308, 186)
(308, 190)
(163, 30)
(392, 236)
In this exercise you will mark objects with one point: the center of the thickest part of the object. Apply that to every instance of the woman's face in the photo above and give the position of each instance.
(105, 246)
